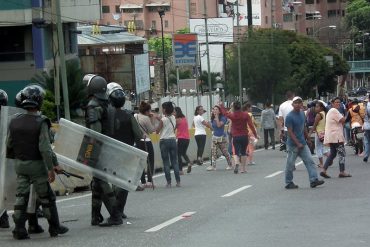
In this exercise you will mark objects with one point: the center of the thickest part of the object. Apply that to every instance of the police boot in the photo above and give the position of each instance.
(121, 197)
(55, 228)
(33, 224)
(4, 220)
(96, 216)
(20, 231)
(115, 218)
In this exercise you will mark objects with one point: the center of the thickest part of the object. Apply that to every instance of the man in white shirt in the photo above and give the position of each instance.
(284, 109)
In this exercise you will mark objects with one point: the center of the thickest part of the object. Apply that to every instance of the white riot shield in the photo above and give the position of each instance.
(98, 155)
(8, 183)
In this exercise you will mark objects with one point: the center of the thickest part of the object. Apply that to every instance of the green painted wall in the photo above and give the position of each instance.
(15, 4)
(12, 88)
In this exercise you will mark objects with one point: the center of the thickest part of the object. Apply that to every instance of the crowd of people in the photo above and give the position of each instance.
(234, 135)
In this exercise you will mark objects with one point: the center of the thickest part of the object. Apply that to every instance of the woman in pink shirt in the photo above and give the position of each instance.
(335, 139)
(239, 131)
(183, 139)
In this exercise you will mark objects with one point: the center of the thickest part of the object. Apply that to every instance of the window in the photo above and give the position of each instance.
(343, 12)
(309, 31)
(332, 13)
(332, 1)
(166, 24)
(154, 25)
(288, 17)
(155, 9)
(138, 10)
(310, 1)
(193, 8)
(105, 9)
(117, 9)
(139, 24)
(14, 42)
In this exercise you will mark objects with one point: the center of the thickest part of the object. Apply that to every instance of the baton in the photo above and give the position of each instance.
(68, 174)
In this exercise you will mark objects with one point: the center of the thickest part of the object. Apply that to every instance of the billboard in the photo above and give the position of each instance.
(142, 77)
(185, 49)
(220, 30)
(188, 84)
(228, 8)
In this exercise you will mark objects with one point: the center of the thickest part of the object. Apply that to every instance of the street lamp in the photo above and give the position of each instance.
(161, 13)
(318, 30)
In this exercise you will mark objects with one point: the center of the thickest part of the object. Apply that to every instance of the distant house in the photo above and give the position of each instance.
(27, 41)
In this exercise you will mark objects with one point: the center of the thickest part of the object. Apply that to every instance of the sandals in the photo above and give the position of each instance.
(344, 175)
(324, 175)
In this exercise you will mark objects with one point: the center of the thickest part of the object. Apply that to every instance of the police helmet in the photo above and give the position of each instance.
(116, 95)
(32, 96)
(18, 99)
(96, 86)
(3, 98)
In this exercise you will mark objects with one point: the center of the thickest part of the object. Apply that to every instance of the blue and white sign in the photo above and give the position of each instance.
(185, 49)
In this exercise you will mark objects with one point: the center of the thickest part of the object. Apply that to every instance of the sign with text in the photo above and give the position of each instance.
(220, 30)
(185, 49)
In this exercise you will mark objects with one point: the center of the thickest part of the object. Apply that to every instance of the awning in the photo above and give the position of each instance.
(131, 6)
(158, 4)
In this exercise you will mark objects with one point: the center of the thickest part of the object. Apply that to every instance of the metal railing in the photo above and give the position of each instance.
(359, 66)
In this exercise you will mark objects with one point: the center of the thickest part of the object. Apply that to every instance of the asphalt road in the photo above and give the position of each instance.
(220, 208)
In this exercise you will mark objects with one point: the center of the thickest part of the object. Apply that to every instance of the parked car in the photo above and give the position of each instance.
(360, 91)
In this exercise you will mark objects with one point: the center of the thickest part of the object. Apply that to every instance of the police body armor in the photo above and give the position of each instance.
(119, 125)
(96, 111)
(25, 130)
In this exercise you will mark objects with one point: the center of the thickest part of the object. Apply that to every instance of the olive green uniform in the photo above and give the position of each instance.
(33, 171)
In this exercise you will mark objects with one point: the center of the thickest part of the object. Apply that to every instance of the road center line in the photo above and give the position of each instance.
(237, 191)
(169, 222)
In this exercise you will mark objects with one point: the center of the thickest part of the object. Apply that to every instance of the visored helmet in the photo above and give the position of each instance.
(3, 98)
(116, 95)
(32, 96)
(18, 99)
(96, 86)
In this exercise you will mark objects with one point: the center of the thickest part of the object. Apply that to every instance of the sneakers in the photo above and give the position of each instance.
(252, 163)
(140, 188)
(229, 167)
(211, 168)
(291, 185)
(178, 184)
(168, 185)
(236, 169)
(365, 159)
(181, 172)
(316, 183)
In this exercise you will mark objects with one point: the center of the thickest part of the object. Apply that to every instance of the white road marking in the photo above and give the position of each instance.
(279, 172)
(274, 174)
(169, 222)
(237, 191)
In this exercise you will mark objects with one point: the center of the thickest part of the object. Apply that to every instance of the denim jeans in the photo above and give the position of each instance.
(169, 156)
(305, 155)
(367, 143)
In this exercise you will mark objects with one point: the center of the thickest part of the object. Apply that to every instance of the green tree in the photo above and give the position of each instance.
(358, 14)
(155, 44)
(274, 61)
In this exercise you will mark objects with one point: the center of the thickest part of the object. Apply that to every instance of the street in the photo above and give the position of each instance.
(220, 208)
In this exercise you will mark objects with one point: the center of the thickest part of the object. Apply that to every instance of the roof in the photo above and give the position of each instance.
(131, 6)
(109, 35)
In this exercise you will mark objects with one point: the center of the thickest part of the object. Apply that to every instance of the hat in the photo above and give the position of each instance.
(297, 98)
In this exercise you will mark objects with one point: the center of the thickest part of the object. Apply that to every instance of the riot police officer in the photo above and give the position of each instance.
(4, 218)
(96, 119)
(28, 143)
(123, 127)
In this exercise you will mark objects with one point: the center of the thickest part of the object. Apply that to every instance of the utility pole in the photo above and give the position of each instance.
(56, 64)
(208, 62)
(239, 59)
(62, 59)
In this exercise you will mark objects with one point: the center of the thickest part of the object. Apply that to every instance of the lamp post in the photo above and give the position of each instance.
(165, 85)
(363, 53)
(321, 28)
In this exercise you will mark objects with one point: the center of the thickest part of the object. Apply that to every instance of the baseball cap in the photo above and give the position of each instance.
(297, 98)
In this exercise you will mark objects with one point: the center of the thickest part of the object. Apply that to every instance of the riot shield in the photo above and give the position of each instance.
(99, 155)
(8, 183)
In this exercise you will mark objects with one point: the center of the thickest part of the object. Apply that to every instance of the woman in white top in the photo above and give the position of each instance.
(167, 143)
(200, 132)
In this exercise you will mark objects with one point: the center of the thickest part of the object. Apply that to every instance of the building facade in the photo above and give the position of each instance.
(26, 32)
